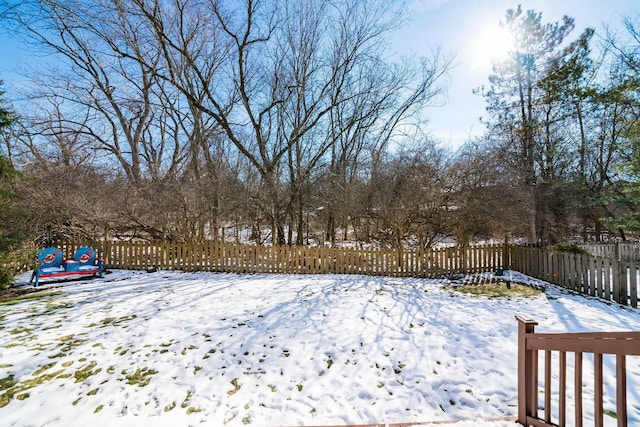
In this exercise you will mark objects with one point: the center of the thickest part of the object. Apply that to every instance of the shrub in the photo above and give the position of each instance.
(15, 262)
(568, 247)
(6, 277)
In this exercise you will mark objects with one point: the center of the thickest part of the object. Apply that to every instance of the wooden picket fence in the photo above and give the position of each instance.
(234, 258)
(621, 251)
(607, 278)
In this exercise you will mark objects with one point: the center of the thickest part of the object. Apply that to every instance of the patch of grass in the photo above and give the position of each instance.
(86, 371)
(68, 343)
(93, 392)
(497, 290)
(184, 352)
(140, 377)
(7, 382)
(113, 321)
(13, 388)
(28, 296)
(20, 330)
(611, 414)
(187, 399)
(123, 319)
(170, 407)
(236, 387)
(209, 353)
(399, 368)
(54, 305)
(11, 345)
(98, 409)
(44, 368)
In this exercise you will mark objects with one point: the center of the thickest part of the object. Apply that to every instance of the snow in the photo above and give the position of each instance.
(281, 350)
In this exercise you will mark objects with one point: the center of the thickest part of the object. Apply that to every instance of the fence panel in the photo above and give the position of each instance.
(224, 257)
(600, 277)
(596, 276)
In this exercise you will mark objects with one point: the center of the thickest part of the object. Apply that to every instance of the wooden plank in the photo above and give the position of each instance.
(587, 345)
(562, 398)
(621, 271)
(525, 327)
(577, 387)
(597, 385)
(602, 282)
(607, 280)
(633, 284)
(129, 255)
(592, 276)
(621, 390)
(616, 284)
(534, 384)
(547, 386)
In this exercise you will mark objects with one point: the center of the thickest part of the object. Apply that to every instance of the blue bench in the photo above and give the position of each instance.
(51, 264)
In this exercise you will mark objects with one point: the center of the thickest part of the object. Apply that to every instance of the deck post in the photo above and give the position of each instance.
(525, 369)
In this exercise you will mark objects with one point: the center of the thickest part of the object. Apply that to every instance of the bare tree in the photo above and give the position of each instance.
(271, 75)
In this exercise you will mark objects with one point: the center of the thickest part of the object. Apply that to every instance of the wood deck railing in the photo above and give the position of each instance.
(620, 344)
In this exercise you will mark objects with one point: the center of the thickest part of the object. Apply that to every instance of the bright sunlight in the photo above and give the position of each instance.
(491, 44)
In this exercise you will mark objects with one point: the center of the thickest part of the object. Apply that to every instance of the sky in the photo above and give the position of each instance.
(467, 29)
(169, 348)
(464, 28)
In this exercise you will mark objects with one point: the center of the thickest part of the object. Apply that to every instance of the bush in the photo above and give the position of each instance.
(15, 262)
(6, 277)
(568, 247)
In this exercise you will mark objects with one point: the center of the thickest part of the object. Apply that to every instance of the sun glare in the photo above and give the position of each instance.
(492, 44)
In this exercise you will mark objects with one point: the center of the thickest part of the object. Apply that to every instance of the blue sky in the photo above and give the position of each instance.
(460, 27)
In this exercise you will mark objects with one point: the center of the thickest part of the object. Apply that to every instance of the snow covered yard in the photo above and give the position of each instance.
(173, 348)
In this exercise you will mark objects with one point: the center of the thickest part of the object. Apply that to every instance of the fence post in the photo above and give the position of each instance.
(525, 370)
(621, 272)
(106, 247)
(506, 262)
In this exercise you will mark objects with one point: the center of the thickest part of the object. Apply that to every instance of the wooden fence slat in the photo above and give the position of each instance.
(621, 390)
(633, 284)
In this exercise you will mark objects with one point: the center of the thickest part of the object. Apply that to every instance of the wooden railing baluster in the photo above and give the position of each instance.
(620, 344)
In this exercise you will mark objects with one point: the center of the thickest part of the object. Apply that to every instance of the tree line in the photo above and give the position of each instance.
(181, 119)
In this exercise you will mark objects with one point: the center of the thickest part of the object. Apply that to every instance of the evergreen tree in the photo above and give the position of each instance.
(10, 217)
(624, 213)
(629, 196)
(515, 95)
